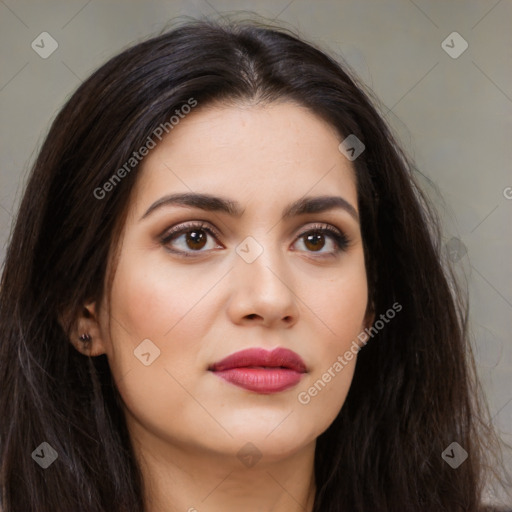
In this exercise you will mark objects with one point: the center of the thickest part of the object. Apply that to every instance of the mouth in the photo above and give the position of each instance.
(260, 370)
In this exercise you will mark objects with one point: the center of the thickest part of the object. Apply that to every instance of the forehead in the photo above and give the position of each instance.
(269, 153)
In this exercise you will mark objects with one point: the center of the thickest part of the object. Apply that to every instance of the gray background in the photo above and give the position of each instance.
(453, 115)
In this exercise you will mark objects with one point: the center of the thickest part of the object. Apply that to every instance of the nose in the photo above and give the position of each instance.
(263, 292)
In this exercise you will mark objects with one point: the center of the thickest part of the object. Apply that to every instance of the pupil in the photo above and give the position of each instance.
(313, 240)
(196, 239)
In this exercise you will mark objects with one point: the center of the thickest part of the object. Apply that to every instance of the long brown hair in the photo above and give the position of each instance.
(414, 390)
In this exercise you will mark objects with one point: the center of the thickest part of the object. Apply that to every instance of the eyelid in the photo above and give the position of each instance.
(322, 226)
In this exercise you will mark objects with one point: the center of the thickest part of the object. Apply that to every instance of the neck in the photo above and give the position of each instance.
(189, 479)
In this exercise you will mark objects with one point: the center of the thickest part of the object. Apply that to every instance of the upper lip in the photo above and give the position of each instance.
(259, 357)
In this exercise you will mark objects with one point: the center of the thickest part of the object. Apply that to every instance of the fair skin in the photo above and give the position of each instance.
(187, 425)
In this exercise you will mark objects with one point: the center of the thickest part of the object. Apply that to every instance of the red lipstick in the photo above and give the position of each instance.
(262, 371)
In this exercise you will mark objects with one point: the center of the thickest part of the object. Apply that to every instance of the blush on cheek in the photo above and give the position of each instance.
(149, 303)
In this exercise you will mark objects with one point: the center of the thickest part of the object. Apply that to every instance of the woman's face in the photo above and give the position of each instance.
(238, 275)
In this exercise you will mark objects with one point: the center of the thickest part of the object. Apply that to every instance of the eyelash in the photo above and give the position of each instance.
(340, 239)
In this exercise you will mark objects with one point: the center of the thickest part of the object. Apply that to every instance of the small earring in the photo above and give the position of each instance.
(85, 338)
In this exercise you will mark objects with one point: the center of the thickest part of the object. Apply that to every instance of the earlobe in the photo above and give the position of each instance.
(86, 337)
(88, 346)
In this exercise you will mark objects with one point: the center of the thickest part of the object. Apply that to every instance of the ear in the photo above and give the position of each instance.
(86, 335)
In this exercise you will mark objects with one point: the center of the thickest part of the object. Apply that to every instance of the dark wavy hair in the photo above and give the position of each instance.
(414, 390)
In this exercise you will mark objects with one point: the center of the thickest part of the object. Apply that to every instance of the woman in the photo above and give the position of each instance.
(224, 291)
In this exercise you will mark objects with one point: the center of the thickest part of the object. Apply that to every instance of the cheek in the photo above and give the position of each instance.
(153, 299)
(339, 307)
(149, 302)
(340, 303)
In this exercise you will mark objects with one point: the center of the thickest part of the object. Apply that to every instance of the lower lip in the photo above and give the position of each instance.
(261, 380)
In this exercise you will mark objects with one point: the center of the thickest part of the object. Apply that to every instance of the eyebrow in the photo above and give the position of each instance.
(208, 202)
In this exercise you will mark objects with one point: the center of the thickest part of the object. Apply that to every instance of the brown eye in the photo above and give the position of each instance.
(324, 239)
(314, 241)
(188, 239)
(196, 239)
